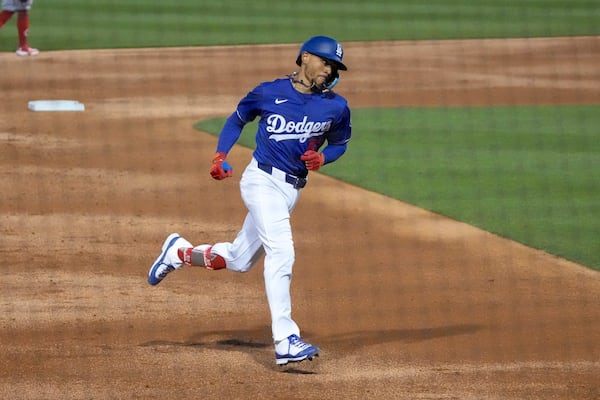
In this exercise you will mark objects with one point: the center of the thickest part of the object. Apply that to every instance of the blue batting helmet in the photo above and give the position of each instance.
(324, 47)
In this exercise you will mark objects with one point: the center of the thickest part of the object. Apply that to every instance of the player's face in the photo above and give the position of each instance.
(318, 69)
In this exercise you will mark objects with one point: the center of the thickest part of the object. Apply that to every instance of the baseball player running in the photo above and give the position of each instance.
(298, 115)
(21, 7)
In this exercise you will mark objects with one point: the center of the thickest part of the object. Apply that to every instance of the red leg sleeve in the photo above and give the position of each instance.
(23, 27)
(5, 16)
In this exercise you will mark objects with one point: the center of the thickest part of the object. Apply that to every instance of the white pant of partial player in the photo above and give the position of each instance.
(267, 230)
(16, 5)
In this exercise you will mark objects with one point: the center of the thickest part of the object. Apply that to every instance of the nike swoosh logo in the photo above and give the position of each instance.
(279, 101)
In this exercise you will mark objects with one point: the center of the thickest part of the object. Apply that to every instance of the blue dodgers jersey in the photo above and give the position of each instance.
(292, 123)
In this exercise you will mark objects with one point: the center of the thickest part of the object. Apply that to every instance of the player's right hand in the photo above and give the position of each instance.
(220, 168)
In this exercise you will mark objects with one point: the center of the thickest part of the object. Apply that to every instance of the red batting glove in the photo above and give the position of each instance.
(313, 160)
(220, 168)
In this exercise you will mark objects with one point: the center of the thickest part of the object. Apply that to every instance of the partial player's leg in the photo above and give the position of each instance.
(5, 15)
(23, 30)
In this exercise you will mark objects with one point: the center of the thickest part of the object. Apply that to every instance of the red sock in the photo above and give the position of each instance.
(5, 16)
(23, 27)
(214, 261)
(185, 255)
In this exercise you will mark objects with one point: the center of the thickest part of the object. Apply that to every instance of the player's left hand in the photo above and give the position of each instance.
(313, 160)
(220, 168)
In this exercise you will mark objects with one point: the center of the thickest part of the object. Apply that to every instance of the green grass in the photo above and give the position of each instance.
(528, 173)
(65, 24)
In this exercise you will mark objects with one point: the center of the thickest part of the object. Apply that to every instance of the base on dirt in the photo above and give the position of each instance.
(56, 105)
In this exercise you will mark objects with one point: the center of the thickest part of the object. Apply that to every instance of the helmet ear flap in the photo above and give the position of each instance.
(333, 79)
(332, 83)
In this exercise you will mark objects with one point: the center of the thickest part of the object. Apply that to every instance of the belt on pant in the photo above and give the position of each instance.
(296, 181)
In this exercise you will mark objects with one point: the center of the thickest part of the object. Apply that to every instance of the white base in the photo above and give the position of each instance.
(56, 105)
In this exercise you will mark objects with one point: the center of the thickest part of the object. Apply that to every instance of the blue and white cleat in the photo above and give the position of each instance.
(294, 349)
(168, 260)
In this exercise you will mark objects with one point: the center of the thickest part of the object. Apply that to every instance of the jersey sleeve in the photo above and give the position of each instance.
(341, 131)
(337, 140)
(247, 110)
(250, 106)
(230, 133)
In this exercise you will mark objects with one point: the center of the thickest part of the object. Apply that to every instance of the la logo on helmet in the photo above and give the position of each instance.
(339, 51)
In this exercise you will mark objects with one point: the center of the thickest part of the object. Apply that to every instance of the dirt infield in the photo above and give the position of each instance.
(405, 304)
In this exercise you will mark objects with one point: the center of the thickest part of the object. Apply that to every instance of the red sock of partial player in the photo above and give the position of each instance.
(5, 16)
(23, 27)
